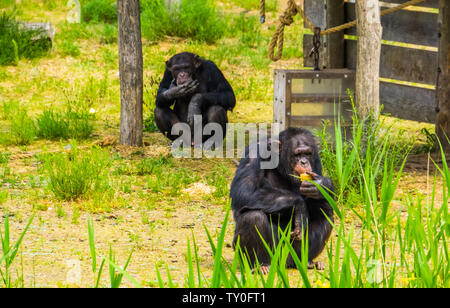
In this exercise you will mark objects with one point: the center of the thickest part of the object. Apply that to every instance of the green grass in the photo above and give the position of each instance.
(271, 5)
(75, 174)
(96, 11)
(21, 127)
(196, 19)
(9, 253)
(68, 124)
(16, 42)
(372, 141)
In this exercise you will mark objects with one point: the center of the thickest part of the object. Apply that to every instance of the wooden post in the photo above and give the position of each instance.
(327, 14)
(443, 88)
(131, 72)
(367, 88)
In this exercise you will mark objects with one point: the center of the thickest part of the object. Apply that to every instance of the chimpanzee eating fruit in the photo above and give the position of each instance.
(195, 87)
(264, 200)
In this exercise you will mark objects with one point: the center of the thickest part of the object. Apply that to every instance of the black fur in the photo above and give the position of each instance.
(212, 95)
(265, 199)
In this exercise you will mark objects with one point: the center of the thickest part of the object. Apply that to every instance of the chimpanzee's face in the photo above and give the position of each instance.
(183, 67)
(302, 155)
(298, 155)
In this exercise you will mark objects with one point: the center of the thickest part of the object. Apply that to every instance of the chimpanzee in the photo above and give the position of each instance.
(264, 200)
(195, 87)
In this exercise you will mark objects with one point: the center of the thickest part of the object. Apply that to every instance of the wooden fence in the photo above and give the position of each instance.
(409, 60)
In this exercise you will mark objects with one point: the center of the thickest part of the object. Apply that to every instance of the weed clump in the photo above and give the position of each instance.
(22, 129)
(196, 19)
(97, 11)
(68, 124)
(75, 174)
(18, 42)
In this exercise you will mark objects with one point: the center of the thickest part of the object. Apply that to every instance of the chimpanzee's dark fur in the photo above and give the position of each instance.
(205, 92)
(265, 199)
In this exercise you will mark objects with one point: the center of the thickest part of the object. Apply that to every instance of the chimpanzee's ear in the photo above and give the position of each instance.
(317, 164)
(275, 145)
(168, 64)
(197, 61)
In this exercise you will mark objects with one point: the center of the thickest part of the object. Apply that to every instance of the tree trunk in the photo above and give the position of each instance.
(367, 88)
(443, 88)
(131, 72)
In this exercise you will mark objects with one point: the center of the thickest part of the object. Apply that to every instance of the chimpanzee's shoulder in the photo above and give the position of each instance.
(209, 65)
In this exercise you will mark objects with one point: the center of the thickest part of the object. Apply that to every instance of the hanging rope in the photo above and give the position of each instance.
(293, 9)
(262, 11)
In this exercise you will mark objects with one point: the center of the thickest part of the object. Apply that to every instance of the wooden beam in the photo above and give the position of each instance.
(403, 26)
(427, 3)
(443, 80)
(409, 103)
(401, 63)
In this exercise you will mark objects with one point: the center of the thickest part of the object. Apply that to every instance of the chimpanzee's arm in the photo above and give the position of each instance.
(219, 90)
(163, 100)
(252, 191)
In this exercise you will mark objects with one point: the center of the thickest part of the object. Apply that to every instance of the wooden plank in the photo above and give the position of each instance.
(279, 99)
(403, 26)
(315, 10)
(335, 16)
(409, 103)
(400, 63)
(443, 84)
(326, 14)
(427, 3)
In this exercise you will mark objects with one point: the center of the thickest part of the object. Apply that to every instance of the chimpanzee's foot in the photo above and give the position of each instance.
(316, 265)
(296, 235)
(265, 269)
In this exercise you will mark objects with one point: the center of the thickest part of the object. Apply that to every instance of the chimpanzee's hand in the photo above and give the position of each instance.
(180, 91)
(309, 190)
(195, 108)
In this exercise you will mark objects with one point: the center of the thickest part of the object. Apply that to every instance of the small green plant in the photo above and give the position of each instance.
(75, 174)
(96, 11)
(370, 143)
(69, 48)
(9, 251)
(116, 273)
(4, 158)
(94, 254)
(73, 124)
(109, 34)
(8, 109)
(22, 129)
(219, 179)
(170, 180)
(153, 165)
(3, 196)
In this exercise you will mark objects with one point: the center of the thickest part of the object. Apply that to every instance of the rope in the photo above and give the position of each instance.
(287, 19)
(277, 39)
(262, 10)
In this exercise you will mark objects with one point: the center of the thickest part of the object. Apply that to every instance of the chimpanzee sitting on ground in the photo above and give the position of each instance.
(264, 200)
(196, 87)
